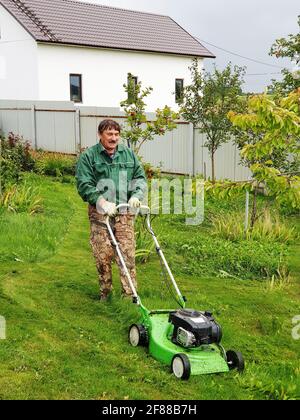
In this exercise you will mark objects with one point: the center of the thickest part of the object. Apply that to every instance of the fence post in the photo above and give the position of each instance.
(77, 131)
(33, 127)
(191, 156)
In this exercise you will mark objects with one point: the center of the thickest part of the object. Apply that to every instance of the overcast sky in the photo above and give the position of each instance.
(244, 27)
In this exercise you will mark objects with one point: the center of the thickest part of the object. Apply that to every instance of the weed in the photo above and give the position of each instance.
(267, 228)
(22, 198)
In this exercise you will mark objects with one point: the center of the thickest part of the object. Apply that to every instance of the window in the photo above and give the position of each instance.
(132, 82)
(76, 87)
(178, 90)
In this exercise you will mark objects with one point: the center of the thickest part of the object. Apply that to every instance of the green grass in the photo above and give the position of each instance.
(62, 343)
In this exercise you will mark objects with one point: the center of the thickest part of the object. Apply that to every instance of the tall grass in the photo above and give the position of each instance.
(21, 198)
(267, 228)
(27, 236)
(144, 242)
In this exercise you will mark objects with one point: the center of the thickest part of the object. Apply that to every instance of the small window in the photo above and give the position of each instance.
(76, 87)
(132, 82)
(178, 90)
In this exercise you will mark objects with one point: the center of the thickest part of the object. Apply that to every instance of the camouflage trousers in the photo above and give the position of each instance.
(104, 251)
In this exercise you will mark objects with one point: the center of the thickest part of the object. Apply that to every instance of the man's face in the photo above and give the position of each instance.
(110, 139)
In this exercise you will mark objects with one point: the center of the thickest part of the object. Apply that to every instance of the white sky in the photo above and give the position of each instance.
(247, 28)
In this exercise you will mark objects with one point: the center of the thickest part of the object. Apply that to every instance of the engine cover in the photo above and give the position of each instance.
(201, 325)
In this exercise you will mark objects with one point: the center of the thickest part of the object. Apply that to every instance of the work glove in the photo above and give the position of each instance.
(108, 208)
(134, 203)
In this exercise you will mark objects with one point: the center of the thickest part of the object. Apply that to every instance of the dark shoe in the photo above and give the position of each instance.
(104, 297)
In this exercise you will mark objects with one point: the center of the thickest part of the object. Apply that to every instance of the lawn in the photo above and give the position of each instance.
(62, 343)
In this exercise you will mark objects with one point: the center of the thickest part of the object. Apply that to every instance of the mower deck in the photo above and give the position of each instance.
(205, 359)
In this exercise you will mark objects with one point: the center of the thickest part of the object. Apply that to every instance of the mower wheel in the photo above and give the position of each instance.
(138, 335)
(235, 360)
(181, 366)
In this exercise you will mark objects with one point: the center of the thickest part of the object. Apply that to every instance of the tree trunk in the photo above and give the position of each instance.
(213, 176)
(254, 209)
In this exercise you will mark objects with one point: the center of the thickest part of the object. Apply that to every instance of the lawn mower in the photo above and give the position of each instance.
(187, 340)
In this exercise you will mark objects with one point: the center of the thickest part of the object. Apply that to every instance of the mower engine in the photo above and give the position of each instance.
(193, 328)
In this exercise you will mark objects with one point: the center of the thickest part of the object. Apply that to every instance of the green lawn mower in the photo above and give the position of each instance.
(187, 340)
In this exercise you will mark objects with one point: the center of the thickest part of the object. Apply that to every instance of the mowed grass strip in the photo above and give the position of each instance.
(62, 343)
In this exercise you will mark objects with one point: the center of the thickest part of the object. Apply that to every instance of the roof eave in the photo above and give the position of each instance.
(43, 41)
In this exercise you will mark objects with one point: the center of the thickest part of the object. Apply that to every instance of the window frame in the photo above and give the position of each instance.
(177, 99)
(80, 87)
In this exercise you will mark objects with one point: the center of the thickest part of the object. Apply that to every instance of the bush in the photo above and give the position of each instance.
(150, 171)
(54, 164)
(15, 157)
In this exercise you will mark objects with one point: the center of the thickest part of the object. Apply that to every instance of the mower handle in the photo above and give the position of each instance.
(182, 299)
(126, 205)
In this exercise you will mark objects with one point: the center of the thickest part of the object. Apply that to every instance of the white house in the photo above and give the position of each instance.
(62, 50)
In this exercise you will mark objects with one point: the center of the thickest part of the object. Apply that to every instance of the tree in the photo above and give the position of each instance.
(276, 127)
(286, 48)
(138, 129)
(207, 101)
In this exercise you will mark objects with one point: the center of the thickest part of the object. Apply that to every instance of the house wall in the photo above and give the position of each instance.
(105, 71)
(18, 60)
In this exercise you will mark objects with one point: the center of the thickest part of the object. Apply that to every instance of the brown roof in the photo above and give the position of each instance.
(78, 23)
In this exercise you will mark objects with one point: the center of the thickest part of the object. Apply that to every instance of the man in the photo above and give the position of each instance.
(109, 174)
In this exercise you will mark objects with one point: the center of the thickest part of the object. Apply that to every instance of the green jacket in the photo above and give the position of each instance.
(116, 179)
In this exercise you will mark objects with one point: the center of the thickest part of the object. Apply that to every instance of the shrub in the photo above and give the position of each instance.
(15, 157)
(150, 171)
(55, 164)
(21, 199)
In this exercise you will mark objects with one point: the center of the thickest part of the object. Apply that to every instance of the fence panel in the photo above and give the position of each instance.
(227, 161)
(90, 118)
(62, 127)
(15, 116)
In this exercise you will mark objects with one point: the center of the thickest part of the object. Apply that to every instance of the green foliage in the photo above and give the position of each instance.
(21, 198)
(244, 259)
(64, 344)
(55, 164)
(207, 101)
(24, 238)
(271, 127)
(150, 171)
(258, 380)
(285, 86)
(138, 129)
(15, 158)
(287, 48)
(144, 242)
(267, 229)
